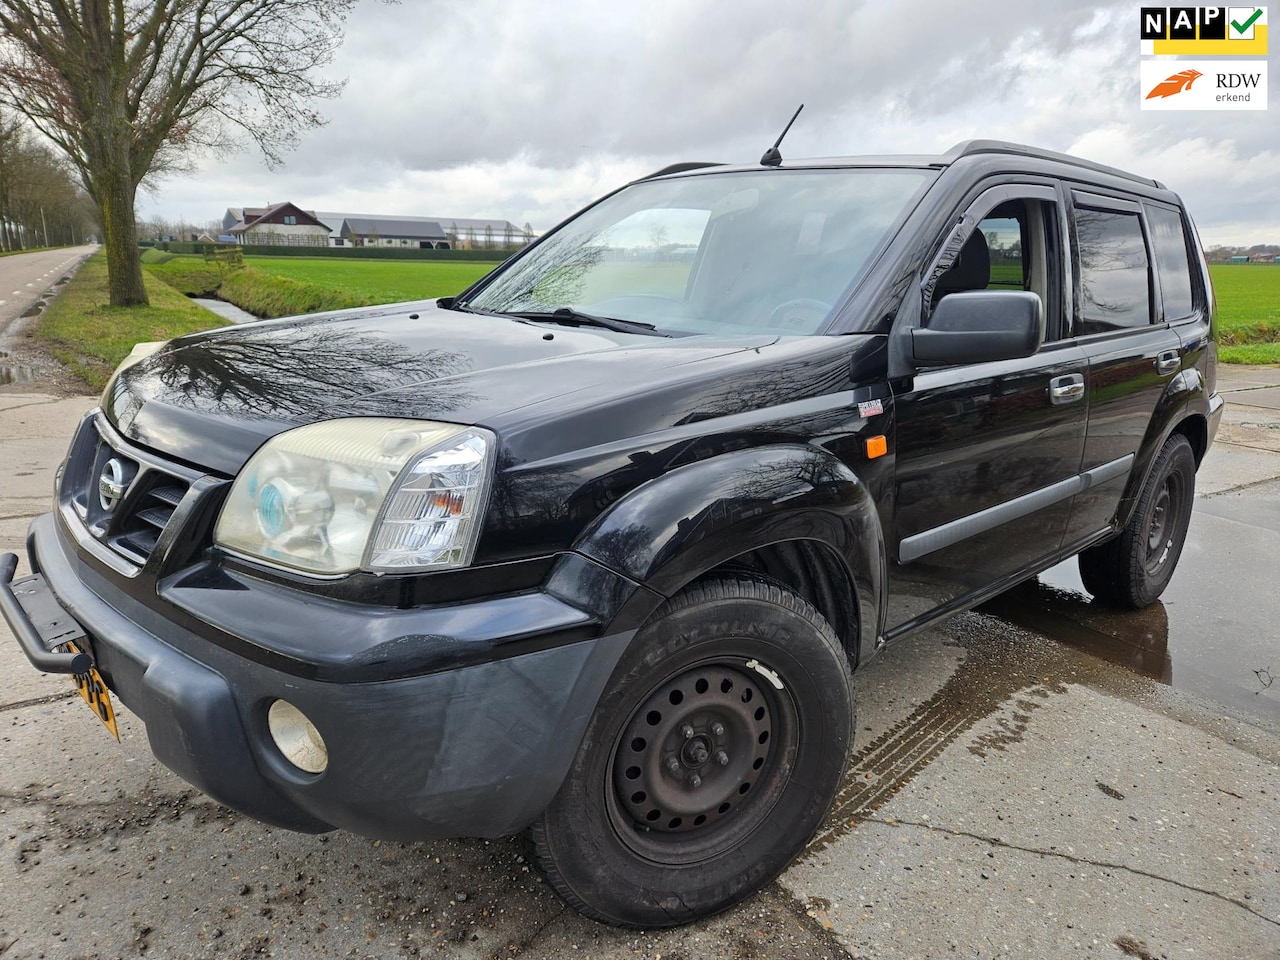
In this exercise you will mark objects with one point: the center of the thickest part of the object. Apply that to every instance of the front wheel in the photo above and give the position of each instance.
(713, 756)
(1133, 569)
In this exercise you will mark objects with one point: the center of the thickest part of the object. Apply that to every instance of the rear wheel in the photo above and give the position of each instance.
(711, 759)
(1133, 569)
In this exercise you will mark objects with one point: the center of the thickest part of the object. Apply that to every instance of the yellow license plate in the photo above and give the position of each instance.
(94, 692)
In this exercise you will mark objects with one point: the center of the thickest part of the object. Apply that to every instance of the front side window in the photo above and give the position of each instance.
(1014, 247)
(769, 251)
(1115, 278)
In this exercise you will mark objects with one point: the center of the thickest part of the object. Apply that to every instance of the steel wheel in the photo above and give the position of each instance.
(711, 758)
(1133, 569)
(692, 769)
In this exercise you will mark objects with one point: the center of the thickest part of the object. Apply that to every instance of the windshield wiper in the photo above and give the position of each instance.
(572, 317)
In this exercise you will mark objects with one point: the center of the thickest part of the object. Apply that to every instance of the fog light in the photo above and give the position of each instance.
(297, 737)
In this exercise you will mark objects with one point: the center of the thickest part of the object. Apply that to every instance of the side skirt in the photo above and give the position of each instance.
(968, 602)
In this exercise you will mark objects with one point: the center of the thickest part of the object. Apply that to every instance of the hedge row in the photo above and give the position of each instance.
(346, 253)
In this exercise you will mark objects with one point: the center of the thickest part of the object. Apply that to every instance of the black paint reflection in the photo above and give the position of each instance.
(1114, 286)
(290, 372)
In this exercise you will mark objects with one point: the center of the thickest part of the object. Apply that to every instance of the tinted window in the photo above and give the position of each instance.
(1169, 246)
(1114, 285)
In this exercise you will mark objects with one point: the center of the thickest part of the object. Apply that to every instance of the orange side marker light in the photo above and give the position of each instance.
(877, 446)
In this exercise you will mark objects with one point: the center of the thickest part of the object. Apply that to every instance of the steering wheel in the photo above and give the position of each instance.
(802, 313)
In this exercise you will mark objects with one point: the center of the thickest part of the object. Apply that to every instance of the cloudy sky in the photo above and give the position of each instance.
(527, 111)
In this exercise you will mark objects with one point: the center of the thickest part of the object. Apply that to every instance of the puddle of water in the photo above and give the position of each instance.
(10, 373)
(14, 372)
(1213, 633)
(1057, 605)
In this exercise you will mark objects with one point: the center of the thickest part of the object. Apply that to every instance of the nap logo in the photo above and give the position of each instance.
(1204, 31)
(1204, 84)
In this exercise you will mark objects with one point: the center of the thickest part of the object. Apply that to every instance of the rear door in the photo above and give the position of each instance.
(1133, 352)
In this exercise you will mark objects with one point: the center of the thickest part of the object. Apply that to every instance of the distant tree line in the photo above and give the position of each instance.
(41, 204)
(1221, 254)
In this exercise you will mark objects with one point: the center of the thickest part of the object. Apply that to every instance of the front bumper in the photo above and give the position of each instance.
(475, 750)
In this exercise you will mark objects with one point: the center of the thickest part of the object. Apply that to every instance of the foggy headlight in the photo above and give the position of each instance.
(363, 493)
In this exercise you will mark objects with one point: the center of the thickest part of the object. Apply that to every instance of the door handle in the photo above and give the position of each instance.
(1168, 362)
(1066, 389)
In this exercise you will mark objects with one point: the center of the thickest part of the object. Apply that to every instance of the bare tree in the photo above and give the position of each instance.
(129, 87)
(40, 203)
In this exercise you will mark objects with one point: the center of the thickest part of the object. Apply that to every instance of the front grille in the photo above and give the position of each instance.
(151, 490)
(140, 526)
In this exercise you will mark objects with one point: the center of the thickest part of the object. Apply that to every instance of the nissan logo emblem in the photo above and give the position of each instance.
(112, 485)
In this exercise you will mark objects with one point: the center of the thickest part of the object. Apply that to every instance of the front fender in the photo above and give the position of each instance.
(674, 528)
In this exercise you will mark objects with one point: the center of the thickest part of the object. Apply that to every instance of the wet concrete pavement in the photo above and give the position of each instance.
(1015, 791)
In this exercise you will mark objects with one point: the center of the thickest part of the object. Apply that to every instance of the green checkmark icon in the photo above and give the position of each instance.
(1242, 27)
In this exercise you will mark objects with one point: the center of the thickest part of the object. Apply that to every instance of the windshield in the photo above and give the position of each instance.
(761, 251)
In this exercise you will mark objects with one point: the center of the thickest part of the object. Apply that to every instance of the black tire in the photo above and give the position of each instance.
(1132, 570)
(633, 841)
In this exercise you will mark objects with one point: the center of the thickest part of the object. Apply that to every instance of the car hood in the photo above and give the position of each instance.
(212, 399)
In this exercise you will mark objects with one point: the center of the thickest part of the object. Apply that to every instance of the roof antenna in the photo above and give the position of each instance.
(772, 158)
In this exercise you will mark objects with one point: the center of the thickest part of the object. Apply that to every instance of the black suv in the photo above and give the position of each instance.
(593, 549)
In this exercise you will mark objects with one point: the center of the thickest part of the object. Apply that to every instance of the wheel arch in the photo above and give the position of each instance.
(1183, 409)
(790, 512)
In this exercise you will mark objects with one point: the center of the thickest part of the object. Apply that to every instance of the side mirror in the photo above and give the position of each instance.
(978, 326)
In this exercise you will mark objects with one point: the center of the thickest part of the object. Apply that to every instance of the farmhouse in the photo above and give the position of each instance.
(282, 224)
(387, 232)
(458, 233)
(290, 225)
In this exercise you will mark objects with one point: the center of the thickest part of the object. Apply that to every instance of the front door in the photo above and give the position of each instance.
(988, 454)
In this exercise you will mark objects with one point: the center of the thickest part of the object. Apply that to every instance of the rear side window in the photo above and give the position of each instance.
(1169, 247)
(1115, 288)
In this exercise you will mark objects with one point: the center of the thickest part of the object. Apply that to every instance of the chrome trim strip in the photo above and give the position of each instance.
(962, 528)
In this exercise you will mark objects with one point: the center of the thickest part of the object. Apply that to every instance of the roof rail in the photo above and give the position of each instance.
(681, 168)
(970, 148)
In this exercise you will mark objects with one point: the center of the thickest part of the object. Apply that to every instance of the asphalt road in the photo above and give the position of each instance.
(27, 282)
(1040, 779)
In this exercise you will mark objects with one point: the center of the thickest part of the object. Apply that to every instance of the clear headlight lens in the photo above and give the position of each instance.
(362, 493)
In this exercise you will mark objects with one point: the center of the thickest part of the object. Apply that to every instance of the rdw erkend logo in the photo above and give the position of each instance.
(1203, 84)
(1175, 84)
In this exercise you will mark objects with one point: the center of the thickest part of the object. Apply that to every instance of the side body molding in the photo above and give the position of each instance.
(670, 530)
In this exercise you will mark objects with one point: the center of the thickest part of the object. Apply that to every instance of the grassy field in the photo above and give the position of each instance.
(385, 280)
(282, 286)
(92, 338)
(1248, 311)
